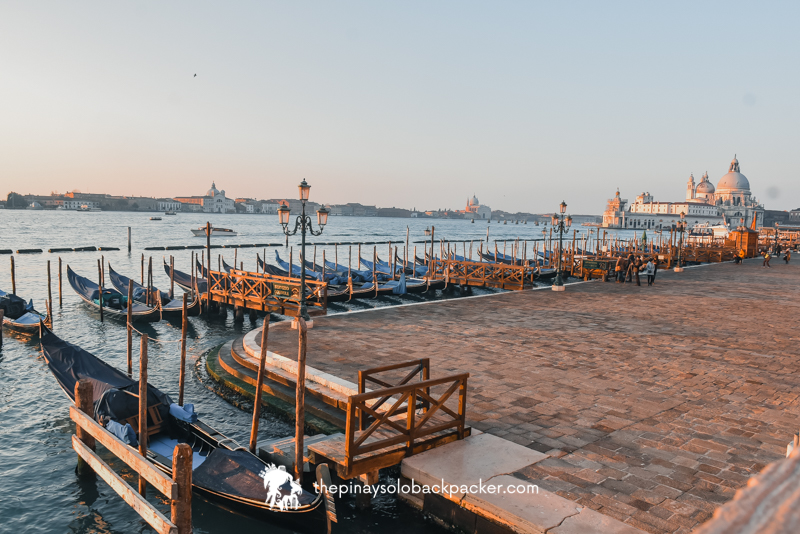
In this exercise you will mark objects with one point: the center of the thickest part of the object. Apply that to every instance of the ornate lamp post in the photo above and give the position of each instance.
(561, 224)
(303, 224)
(681, 229)
(776, 237)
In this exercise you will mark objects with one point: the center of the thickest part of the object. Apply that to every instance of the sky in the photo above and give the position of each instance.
(400, 104)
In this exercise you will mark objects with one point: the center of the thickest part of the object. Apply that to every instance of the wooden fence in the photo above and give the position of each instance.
(482, 274)
(421, 368)
(266, 292)
(178, 489)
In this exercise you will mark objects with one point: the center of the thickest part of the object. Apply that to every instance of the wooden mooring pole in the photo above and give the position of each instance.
(2, 313)
(143, 409)
(49, 294)
(171, 276)
(262, 363)
(13, 277)
(60, 300)
(100, 284)
(143, 268)
(129, 240)
(84, 401)
(208, 277)
(181, 508)
(299, 426)
(130, 328)
(182, 376)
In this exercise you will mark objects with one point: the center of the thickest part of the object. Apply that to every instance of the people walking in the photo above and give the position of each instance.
(787, 256)
(631, 267)
(618, 271)
(637, 266)
(649, 269)
(655, 269)
(766, 258)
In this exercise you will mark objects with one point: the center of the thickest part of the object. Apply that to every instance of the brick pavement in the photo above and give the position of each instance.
(655, 403)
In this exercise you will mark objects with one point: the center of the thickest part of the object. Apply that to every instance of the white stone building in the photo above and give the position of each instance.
(214, 201)
(730, 203)
(476, 210)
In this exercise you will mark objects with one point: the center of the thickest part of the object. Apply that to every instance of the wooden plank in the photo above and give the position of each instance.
(159, 480)
(149, 513)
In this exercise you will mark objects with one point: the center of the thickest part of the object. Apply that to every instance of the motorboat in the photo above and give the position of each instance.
(215, 232)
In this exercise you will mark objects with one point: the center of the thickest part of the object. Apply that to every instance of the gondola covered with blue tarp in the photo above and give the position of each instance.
(19, 315)
(114, 302)
(168, 306)
(222, 470)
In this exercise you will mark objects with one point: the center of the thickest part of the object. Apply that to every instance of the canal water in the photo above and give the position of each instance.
(39, 491)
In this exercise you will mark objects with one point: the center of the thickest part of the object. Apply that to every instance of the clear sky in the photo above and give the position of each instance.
(407, 104)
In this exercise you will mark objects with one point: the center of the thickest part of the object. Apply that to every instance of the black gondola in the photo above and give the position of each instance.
(222, 470)
(184, 280)
(169, 307)
(114, 302)
(20, 316)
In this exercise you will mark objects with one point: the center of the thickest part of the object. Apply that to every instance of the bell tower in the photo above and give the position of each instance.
(690, 189)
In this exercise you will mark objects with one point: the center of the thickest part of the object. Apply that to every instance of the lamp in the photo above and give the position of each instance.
(563, 207)
(569, 221)
(322, 216)
(283, 215)
(554, 220)
(304, 189)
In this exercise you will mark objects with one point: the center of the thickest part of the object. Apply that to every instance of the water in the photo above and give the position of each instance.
(38, 487)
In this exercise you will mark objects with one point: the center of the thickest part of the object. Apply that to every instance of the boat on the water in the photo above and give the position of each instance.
(169, 307)
(20, 316)
(185, 281)
(170, 213)
(86, 208)
(115, 303)
(215, 232)
(155, 218)
(222, 470)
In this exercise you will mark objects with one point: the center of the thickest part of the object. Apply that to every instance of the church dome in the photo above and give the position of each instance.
(474, 201)
(213, 191)
(705, 187)
(734, 180)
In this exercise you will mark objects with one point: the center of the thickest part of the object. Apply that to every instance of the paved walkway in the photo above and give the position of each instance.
(654, 403)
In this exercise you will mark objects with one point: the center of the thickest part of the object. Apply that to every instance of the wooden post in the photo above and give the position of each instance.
(142, 268)
(259, 383)
(100, 284)
(181, 508)
(374, 272)
(103, 269)
(336, 253)
(299, 427)
(129, 240)
(150, 294)
(143, 409)
(314, 259)
(182, 376)
(208, 277)
(13, 278)
(84, 401)
(235, 257)
(2, 313)
(171, 276)
(433, 229)
(290, 262)
(49, 294)
(130, 328)
(60, 300)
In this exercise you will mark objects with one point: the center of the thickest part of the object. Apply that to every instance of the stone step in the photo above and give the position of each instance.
(335, 399)
(313, 405)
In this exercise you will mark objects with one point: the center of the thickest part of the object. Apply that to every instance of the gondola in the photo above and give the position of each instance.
(114, 302)
(340, 293)
(25, 319)
(222, 470)
(169, 307)
(184, 280)
(412, 285)
(202, 268)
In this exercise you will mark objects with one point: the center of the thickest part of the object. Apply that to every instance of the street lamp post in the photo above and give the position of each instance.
(776, 237)
(681, 229)
(561, 224)
(303, 224)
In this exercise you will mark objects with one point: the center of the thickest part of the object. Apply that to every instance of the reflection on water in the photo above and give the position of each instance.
(38, 486)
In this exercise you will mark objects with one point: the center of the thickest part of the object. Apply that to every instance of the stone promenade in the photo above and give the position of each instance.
(655, 404)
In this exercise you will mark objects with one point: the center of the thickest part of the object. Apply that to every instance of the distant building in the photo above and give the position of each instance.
(214, 201)
(775, 216)
(475, 210)
(169, 204)
(794, 216)
(340, 209)
(730, 203)
(268, 207)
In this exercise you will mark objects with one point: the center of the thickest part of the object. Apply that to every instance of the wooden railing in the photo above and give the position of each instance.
(387, 431)
(178, 489)
(484, 274)
(421, 368)
(266, 292)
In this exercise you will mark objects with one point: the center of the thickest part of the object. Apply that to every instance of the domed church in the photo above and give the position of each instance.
(730, 203)
(732, 197)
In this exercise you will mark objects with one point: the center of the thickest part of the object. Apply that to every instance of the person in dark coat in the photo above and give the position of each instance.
(636, 268)
(655, 269)
(631, 265)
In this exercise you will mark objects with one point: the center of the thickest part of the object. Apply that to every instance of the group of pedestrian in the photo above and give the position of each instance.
(628, 269)
(767, 255)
